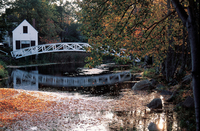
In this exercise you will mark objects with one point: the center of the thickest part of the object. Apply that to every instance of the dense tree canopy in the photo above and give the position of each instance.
(145, 28)
(141, 28)
(52, 17)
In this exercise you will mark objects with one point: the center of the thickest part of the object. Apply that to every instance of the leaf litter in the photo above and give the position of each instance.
(43, 111)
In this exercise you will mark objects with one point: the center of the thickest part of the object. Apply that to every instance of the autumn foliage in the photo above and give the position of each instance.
(142, 28)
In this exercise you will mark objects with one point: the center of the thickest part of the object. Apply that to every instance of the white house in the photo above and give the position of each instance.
(24, 35)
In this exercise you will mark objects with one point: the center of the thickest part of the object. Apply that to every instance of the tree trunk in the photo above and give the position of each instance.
(195, 53)
(170, 63)
(183, 56)
(190, 23)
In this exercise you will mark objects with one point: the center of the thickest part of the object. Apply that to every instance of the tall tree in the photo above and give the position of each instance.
(190, 19)
(41, 11)
(63, 14)
(139, 27)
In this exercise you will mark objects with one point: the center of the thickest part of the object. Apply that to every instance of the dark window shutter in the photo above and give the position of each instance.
(17, 44)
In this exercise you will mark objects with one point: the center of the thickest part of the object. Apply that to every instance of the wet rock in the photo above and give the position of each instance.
(155, 104)
(189, 102)
(153, 127)
(142, 85)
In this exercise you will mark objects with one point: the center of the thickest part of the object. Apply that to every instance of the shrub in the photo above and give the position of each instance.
(149, 73)
(3, 72)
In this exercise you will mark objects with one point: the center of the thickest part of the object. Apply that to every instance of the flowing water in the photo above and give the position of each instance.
(80, 108)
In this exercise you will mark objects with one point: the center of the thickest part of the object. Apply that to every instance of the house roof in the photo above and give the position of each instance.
(24, 22)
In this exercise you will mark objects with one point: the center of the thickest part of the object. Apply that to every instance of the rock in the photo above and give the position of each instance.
(155, 104)
(142, 85)
(153, 127)
(153, 82)
(93, 71)
(172, 97)
(137, 77)
(164, 92)
(189, 102)
(106, 66)
(159, 87)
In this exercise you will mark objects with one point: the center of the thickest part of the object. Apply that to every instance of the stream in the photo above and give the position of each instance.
(105, 107)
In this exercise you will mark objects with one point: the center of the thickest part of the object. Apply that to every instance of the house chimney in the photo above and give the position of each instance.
(34, 23)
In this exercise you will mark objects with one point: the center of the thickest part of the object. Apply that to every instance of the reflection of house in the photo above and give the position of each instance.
(24, 35)
(20, 83)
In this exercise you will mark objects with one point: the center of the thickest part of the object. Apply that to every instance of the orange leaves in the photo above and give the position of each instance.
(44, 110)
(16, 103)
(4, 92)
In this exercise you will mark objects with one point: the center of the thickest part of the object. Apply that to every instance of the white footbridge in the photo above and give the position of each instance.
(23, 78)
(47, 48)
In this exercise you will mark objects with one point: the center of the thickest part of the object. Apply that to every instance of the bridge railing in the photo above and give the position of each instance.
(81, 81)
(46, 48)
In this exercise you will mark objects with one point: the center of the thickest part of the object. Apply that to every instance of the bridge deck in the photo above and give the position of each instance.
(47, 48)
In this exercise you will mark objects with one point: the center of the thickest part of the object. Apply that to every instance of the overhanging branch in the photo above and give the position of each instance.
(155, 24)
(180, 10)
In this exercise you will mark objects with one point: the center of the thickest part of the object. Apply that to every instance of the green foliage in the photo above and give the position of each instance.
(54, 20)
(186, 118)
(3, 72)
(149, 73)
(136, 69)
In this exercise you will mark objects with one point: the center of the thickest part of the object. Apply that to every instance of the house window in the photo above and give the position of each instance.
(25, 29)
(25, 44)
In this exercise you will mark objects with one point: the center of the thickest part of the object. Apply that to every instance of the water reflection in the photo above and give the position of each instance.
(141, 118)
(127, 111)
(31, 80)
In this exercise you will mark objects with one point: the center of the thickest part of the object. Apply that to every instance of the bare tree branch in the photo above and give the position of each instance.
(180, 10)
(155, 24)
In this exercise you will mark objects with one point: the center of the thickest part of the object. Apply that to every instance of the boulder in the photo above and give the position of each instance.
(142, 85)
(155, 104)
(153, 82)
(189, 102)
(153, 127)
